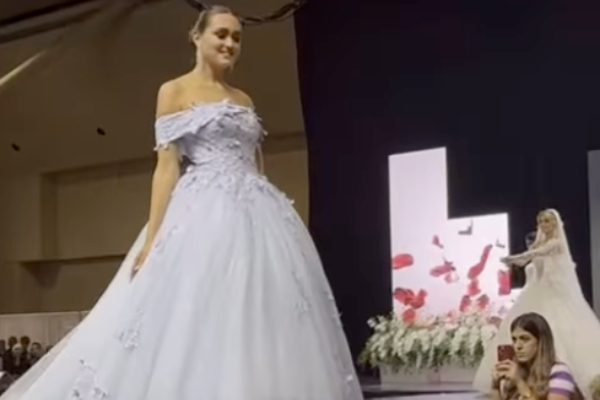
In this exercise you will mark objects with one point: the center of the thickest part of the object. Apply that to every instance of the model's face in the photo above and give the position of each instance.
(547, 223)
(220, 43)
(525, 344)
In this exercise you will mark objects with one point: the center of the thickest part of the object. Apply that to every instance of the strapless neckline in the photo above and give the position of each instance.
(201, 105)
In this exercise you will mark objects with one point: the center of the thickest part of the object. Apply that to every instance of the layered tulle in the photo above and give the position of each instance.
(232, 304)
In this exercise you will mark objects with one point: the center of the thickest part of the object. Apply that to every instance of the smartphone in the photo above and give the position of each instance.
(506, 352)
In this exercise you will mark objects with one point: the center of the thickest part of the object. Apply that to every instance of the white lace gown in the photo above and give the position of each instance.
(552, 290)
(232, 303)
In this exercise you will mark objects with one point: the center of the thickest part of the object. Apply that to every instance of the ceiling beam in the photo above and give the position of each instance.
(40, 12)
(50, 18)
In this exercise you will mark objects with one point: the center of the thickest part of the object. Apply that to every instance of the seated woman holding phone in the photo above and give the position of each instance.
(528, 369)
(553, 291)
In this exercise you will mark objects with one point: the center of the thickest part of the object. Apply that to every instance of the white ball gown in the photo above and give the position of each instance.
(232, 302)
(552, 290)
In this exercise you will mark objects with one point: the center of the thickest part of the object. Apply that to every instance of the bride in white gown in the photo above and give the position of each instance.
(552, 290)
(228, 299)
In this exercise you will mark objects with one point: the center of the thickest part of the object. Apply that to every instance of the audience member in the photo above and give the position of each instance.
(17, 364)
(534, 373)
(36, 351)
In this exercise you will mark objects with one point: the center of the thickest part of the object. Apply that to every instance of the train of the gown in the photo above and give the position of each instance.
(232, 304)
(106, 310)
(574, 325)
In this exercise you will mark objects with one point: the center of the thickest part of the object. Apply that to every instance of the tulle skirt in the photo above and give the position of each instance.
(231, 304)
(556, 295)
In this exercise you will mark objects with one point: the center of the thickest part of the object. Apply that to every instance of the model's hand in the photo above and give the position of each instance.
(140, 259)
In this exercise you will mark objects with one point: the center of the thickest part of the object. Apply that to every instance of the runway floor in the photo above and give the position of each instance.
(438, 396)
(376, 391)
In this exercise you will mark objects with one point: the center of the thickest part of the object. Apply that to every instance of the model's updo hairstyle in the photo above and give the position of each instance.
(207, 11)
(204, 18)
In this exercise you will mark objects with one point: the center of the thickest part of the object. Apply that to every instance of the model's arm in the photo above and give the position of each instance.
(165, 177)
(550, 247)
(167, 170)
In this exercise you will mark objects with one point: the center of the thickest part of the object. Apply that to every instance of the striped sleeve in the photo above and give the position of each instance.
(561, 381)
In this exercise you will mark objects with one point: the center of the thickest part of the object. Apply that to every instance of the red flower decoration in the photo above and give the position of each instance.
(473, 289)
(409, 316)
(483, 302)
(408, 298)
(419, 300)
(478, 268)
(503, 283)
(465, 303)
(402, 260)
(443, 269)
(436, 242)
(404, 296)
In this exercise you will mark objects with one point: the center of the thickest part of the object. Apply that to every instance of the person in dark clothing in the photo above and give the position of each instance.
(36, 351)
(25, 343)
(17, 364)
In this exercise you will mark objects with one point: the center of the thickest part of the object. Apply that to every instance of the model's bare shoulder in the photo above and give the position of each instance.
(167, 101)
(242, 98)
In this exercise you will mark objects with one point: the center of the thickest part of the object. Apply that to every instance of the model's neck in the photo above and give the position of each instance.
(209, 75)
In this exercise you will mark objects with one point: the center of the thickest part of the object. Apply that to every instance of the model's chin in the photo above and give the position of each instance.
(226, 63)
(223, 65)
(522, 359)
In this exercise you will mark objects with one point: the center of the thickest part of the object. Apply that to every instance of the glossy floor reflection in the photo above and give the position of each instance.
(437, 396)
(419, 391)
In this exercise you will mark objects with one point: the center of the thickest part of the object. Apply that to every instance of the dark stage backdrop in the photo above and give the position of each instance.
(511, 88)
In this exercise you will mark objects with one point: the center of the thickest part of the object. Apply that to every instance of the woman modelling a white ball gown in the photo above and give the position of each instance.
(552, 290)
(223, 295)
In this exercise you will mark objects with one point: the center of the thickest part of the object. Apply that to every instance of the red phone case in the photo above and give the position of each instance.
(506, 352)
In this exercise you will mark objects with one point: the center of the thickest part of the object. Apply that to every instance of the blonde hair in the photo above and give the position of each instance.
(541, 238)
(548, 212)
(204, 18)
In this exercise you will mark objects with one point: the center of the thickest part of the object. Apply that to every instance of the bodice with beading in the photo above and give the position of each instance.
(219, 141)
(221, 136)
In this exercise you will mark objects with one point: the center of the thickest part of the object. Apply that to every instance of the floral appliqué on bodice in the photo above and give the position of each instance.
(218, 141)
(221, 136)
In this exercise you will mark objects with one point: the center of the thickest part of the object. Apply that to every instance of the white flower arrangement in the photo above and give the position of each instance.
(458, 339)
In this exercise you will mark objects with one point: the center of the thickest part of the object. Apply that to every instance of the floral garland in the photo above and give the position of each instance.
(412, 346)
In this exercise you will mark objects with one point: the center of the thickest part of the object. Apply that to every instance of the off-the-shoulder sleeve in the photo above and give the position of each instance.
(172, 127)
(549, 248)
